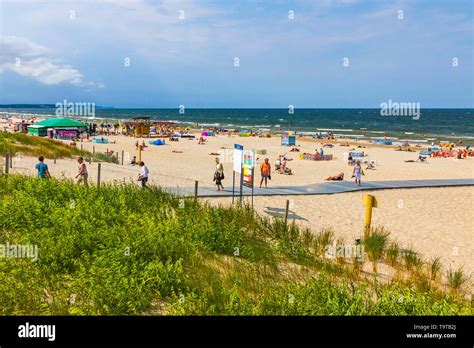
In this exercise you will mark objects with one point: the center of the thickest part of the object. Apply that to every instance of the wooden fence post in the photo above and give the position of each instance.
(7, 162)
(98, 174)
(287, 210)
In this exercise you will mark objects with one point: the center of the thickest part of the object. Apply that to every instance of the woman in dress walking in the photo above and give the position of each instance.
(219, 175)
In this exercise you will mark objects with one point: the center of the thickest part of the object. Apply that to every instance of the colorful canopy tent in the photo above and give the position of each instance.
(60, 123)
(288, 140)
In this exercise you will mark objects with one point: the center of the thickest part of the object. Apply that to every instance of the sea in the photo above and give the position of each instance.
(433, 125)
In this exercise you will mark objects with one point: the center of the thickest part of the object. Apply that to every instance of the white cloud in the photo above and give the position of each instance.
(29, 59)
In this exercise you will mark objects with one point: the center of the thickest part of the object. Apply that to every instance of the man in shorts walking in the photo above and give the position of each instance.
(42, 168)
(265, 170)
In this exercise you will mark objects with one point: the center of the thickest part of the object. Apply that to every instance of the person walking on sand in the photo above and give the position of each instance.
(42, 169)
(265, 170)
(82, 174)
(219, 175)
(356, 173)
(143, 174)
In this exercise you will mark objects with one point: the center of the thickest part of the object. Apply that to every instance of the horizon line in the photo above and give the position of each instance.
(19, 105)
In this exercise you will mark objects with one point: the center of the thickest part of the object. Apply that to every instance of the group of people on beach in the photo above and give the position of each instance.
(265, 171)
(82, 176)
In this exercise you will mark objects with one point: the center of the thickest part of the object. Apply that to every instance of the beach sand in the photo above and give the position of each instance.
(434, 221)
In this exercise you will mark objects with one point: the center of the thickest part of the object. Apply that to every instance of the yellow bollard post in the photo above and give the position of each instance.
(139, 153)
(369, 202)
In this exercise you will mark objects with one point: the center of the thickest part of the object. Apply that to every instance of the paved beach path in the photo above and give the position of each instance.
(325, 188)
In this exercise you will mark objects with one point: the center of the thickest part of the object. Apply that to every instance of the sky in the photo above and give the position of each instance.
(238, 54)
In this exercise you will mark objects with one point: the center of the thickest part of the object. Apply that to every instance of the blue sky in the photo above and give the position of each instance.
(76, 50)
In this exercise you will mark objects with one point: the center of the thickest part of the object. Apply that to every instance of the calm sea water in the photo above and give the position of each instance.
(433, 124)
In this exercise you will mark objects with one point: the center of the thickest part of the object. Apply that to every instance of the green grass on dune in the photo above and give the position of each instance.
(121, 250)
(17, 143)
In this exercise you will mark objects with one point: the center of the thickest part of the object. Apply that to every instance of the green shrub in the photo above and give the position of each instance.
(375, 245)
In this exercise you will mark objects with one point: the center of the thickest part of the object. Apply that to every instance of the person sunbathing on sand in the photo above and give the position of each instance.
(338, 177)
(370, 165)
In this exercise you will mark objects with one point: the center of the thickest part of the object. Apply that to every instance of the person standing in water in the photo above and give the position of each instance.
(357, 172)
(219, 175)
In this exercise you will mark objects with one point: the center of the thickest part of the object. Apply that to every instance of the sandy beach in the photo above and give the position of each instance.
(434, 221)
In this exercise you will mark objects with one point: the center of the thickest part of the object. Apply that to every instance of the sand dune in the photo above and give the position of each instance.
(434, 221)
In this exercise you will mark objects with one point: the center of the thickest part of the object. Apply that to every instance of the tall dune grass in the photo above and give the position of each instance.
(18, 143)
(122, 250)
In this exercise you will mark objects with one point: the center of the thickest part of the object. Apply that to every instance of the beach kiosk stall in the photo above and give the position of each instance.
(64, 128)
(39, 131)
(288, 140)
